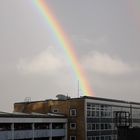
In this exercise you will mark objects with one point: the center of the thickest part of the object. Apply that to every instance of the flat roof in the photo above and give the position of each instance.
(84, 97)
(111, 100)
(30, 115)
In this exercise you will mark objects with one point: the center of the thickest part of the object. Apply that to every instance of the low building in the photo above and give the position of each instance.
(89, 118)
(21, 126)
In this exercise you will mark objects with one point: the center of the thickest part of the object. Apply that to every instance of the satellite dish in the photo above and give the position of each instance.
(27, 99)
(62, 97)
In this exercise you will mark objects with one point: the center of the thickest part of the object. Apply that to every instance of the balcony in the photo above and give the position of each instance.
(22, 134)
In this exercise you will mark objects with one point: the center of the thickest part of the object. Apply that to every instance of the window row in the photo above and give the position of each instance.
(98, 126)
(107, 137)
(102, 107)
(73, 111)
(28, 126)
(94, 114)
(99, 137)
(95, 110)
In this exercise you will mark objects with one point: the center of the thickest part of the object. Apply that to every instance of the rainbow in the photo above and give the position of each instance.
(65, 44)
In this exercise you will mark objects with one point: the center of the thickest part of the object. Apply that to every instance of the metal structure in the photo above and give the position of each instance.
(122, 119)
(123, 123)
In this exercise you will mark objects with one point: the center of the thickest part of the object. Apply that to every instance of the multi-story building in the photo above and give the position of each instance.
(89, 118)
(21, 126)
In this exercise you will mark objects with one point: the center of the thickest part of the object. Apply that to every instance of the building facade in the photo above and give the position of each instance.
(32, 127)
(89, 118)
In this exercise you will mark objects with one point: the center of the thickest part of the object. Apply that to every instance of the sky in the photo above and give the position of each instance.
(105, 35)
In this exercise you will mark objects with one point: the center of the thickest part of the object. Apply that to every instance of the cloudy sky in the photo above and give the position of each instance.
(106, 37)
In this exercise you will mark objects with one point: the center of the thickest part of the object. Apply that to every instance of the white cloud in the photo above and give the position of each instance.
(97, 41)
(106, 64)
(47, 62)
(50, 61)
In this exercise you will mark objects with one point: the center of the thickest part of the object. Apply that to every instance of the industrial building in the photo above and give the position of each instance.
(89, 118)
(21, 126)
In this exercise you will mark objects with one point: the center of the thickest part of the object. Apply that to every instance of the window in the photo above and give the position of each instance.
(106, 126)
(102, 137)
(105, 111)
(97, 113)
(97, 126)
(57, 125)
(72, 137)
(97, 138)
(109, 126)
(55, 110)
(89, 137)
(109, 137)
(102, 126)
(5, 126)
(41, 126)
(72, 125)
(89, 126)
(106, 137)
(88, 113)
(93, 113)
(72, 112)
(93, 126)
(23, 126)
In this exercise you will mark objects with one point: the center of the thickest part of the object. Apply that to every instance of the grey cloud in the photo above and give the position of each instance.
(106, 64)
(105, 27)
